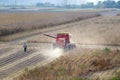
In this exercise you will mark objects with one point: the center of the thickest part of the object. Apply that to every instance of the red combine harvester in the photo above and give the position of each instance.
(62, 41)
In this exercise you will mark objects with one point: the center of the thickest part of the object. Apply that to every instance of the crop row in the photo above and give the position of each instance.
(72, 67)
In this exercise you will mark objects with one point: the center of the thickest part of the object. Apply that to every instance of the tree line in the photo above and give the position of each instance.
(108, 4)
(100, 4)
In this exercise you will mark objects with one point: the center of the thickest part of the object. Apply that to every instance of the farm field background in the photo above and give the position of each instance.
(103, 30)
(96, 57)
(93, 64)
(16, 22)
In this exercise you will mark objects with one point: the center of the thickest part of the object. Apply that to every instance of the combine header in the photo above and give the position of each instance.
(62, 41)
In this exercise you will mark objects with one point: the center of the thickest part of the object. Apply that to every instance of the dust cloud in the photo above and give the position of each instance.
(53, 53)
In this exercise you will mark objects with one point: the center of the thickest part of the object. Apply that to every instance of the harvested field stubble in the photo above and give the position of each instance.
(78, 66)
(96, 31)
(11, 23)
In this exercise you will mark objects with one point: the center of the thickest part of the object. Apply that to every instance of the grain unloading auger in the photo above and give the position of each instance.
(62, 41)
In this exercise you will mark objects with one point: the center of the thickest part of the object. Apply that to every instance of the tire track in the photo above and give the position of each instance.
(19, 61)
(22, 65)
(9, 53)
(20, 54)
(4, 50)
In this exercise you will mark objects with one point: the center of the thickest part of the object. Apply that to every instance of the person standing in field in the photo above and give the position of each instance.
(25, 47)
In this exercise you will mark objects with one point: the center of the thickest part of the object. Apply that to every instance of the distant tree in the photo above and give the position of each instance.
(88, 5)
(45, 4)
(109, 4)
(83, 6)
(39, 4)
(118, 4)
(99, 4)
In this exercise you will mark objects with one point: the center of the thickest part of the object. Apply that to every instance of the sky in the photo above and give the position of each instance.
(31, 2)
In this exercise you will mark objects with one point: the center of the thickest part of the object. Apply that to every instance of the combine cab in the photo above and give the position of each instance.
(62, 41)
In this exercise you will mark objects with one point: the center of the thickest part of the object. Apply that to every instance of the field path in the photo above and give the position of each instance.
(14, 59)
